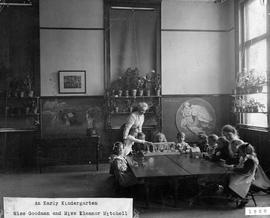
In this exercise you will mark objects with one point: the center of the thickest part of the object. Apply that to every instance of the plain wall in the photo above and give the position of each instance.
(71, 38)
(197, 47)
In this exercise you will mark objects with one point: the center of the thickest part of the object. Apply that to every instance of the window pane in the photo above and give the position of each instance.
(259, 120)
(256, 57)
(255, 18)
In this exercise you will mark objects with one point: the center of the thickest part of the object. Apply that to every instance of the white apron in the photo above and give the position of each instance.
(240, 183)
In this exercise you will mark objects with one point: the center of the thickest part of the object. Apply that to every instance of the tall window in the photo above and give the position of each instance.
(251, 93)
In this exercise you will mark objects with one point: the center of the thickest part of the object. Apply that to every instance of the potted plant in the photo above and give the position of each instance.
(156, 82)
(29, 85)
(117, 87)
(140, 85)
(148, 85)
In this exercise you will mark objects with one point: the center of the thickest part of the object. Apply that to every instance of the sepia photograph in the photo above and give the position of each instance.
(134, 108)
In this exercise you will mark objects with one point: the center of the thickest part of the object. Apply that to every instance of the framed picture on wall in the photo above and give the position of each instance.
(72, 81)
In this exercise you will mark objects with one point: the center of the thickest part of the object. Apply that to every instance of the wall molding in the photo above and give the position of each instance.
(194, 95)
(72, 96)
(71, 28)
(197, 30)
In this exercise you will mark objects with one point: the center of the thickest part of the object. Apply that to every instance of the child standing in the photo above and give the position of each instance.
(181, 144)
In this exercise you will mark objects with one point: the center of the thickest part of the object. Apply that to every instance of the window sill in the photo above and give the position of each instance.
(253, 128)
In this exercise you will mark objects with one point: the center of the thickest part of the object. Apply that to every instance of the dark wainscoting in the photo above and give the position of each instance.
(64, 127)
(220, 104)
(261, 141)
(17, 150)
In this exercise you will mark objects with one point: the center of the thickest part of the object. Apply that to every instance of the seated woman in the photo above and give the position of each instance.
(244, 173)
(231, 134)
(119, 167)
(223, 151)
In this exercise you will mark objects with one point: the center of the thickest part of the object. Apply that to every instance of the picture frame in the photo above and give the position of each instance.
(72, 81)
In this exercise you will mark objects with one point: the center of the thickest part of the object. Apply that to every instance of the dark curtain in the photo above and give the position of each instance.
(132, 41)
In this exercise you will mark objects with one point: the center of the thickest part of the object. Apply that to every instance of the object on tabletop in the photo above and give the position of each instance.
(91, 115)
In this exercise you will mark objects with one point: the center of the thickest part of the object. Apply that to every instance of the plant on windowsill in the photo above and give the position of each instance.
(250, 81)
(248, 106)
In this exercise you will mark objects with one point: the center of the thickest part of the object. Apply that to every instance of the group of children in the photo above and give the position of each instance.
(234, 153)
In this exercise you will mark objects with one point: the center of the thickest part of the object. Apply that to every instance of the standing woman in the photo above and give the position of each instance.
(134, 120)
(231, 134)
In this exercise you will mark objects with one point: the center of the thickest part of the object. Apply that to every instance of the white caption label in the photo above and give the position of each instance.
(251, 211)
(68, 207)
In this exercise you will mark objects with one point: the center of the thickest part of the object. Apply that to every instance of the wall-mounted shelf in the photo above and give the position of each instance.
(256, 93)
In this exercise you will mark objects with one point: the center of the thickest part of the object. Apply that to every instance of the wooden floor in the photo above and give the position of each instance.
(84, 181)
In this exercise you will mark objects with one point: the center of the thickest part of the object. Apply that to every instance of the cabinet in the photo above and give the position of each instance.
(19, 131)
(19, 112)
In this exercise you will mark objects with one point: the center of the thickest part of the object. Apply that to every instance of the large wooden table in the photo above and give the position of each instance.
(173, 167)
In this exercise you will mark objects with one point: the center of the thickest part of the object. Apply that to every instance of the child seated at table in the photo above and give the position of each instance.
(119, 167)
(212, 144)
(131, 139)
(181, 145)
(223, 151)
(195, 151)
(203, 142)
(140, 147)
(158, 145)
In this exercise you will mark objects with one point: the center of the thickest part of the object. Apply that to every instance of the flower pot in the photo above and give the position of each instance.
(158, 92)
(31, 93)
(126, 93)
(120, 92)
(259, 89)
(27, 110)
(140, 93)
(22, 94)
(148, 92)
(134, 92)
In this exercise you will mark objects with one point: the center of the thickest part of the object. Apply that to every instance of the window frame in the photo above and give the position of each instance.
(242, 45)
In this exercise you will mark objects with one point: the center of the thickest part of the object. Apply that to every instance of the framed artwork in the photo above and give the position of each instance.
(72, 81)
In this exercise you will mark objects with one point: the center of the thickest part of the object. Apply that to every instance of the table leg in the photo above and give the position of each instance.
(97, 155)
(147, 193)
(175, 186)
